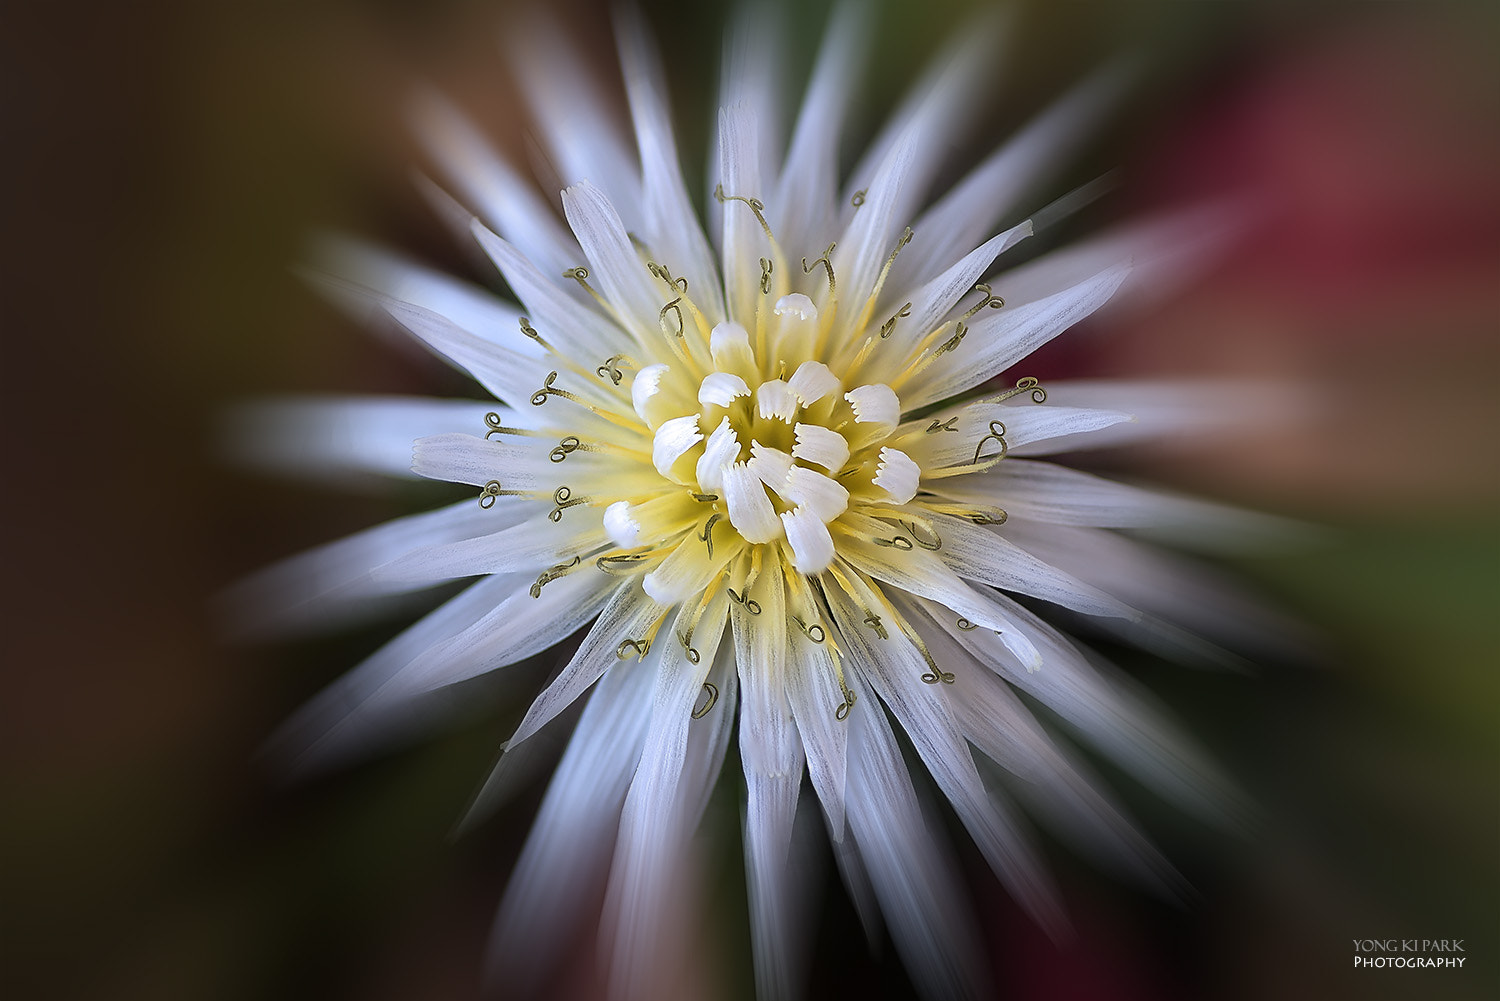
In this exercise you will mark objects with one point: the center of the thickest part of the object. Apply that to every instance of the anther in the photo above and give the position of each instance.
(954, 341)
(493, 489)
(540, 396)
(949, 425)
(765, 276)
(997, 433)
(660, 271)
(638, 647)
(530, 331)
(873, 621)
(859, 197)
(934, 544)
(751, 605)
(492, 421)
(662, 318)
(707, 536)
(842, 712)
(889, 326)
(990, 300)
(564, 448)
(1028, 384)
(610, 370)
(563, 498)
(814, 632)
(896, 542)
(709, 690)
(827, 264)
(551, 575)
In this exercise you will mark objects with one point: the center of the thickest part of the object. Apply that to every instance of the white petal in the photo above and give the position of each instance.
(806, 199)
(729, 344)
(876, 404)
(1110, 713)
(484, 180)
(722, 449)
(821, 445)
(614, 265)
(750, 510)
(819, 494)
(517, 627)
(645, 387)
(774, 398)
(672, 229)
(771, 464)
(674, 439)
(744, 241)
(623, 530)
(721, 389)
(796, 305)
(910, 873)
(893, 668)
(570, 114)
(991, 191)
(922, 574)
(812, 381)
(342, 440)
(985, 556)
(897, 475)
(627, 615)
(331, 586)
(336, 725)
(560, 319)
(529, 547)
(812, 546)
(567, 853)
(1008, 335)
(653, 828)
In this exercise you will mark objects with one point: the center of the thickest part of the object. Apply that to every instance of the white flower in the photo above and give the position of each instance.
(711, 462)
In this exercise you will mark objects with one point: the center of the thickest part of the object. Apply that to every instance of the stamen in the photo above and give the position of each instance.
(895, 542)
(828, 265)
(990, 300)
(814, 632)
(859, 198)
(491, 490)
(1029, 383)
(540, 396)
(765, 276)
(936, 542)
(564, 448)
(492, 421)
(953, 342)
(997, 433)
(890, 325)
(563, 498)
(624, 564)
(978, 514)
(949, 425)
(873, 621)
(707, 536)
(660, 271)
(661, 318)
(551, 575)
(530, 331)
(842, 712)
(609, 370)
(639, 647)
(713, 698)
(743, 598)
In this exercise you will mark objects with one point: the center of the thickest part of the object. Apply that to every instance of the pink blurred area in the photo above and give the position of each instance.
(1370, 270)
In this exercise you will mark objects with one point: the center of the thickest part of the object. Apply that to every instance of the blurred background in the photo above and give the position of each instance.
(164, 163)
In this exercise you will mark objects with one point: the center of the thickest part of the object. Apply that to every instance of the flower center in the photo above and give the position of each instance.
(778, 455)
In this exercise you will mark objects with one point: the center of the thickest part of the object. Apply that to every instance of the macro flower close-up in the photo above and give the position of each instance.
(656, 500)
(789, 483)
